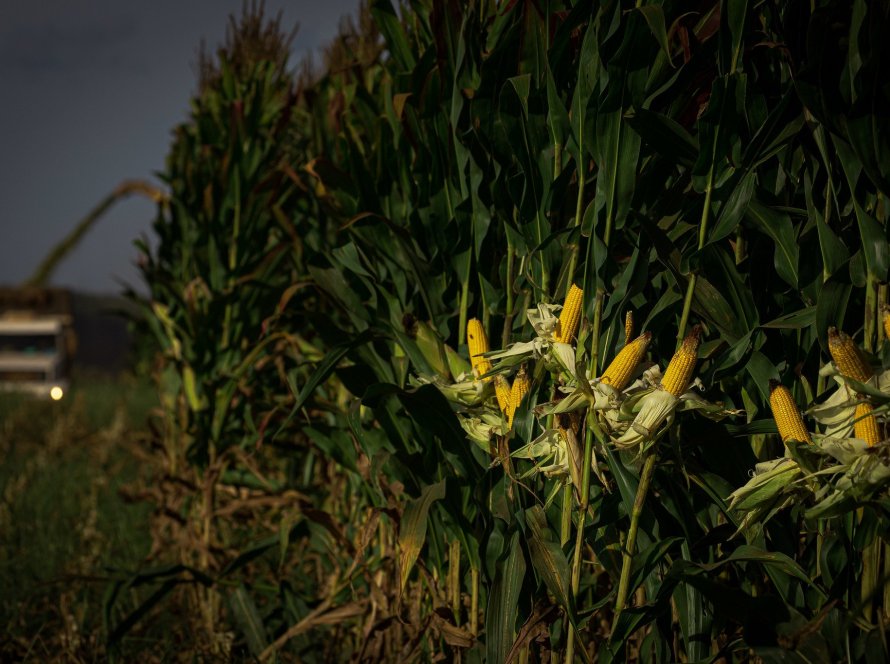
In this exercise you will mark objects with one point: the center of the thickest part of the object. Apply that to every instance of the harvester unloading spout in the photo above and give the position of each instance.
(124, 190)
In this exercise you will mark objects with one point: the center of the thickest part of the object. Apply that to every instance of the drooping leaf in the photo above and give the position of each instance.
(248, 619)
(548, 558)
(501, 613)
(778, 227)
(413, 526)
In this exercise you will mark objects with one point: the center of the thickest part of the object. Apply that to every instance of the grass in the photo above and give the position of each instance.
(62, 521)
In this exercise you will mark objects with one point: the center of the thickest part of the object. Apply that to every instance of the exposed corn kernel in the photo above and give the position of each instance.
(885, 312)
(477, 342)
(679, 372)
(786, 414)
(570, 316)
(846, 356)
(866, 428)
(521, 385)
(628, 327)
(619, 372)
(502, 392)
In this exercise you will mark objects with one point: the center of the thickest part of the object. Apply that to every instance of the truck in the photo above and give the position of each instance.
(36, 341)
(37, 338)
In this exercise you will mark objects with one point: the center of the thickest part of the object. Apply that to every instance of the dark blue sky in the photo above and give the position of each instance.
(90, 92)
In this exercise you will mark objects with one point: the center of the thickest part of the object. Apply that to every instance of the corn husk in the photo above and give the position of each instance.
(770, 479)
(483, 427)
(655, 408)
(469, 392)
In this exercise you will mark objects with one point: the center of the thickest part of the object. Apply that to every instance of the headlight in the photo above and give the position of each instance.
(56, 393)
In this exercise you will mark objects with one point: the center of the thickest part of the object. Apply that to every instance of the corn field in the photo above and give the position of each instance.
(530, 331)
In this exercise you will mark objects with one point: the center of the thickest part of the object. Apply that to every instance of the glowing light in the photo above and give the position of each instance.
(56, 393)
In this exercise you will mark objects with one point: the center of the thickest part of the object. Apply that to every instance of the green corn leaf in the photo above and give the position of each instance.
(248, 619)
(831, 308)
(834, 253)
(549, 560)
(664, 135)
(778, 227)
(503, 603)
(734, 209)
(391, 27)
(873, 236)
(654, 15)
(412, 529)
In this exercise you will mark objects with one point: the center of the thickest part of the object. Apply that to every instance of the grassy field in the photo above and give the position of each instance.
(64, 526)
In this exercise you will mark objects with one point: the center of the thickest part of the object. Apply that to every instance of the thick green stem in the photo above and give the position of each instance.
(462, 319)
(474, 601)
(871, 571)
(465, 283)
(579, 534)
(826, 212)
(687, 306)
(454, 579)
(233, 263)
(565, 525)
(885, 570)
(821, 381)
(595, 341)
(582, 510)
(882, 300)
(702, 236)
(871, 312)
(579, 213)
(508, 316)
(820, 541)
(544, 295)
(630, 544)
(598, 305)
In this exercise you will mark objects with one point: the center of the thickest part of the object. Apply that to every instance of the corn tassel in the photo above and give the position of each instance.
(619, 372)
(502, 392)
(786, 414)
(679, 372)
(846, 356)
(570, 316)
(628, 327)
(477, 342)
(866, 425)
(521, 385)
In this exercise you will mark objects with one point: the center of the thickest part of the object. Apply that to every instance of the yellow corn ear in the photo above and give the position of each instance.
(477, 342)
(521, 385)
(679, 372)
(786, 414)
(866, 428)
(628, 327)
(846, 356)
(571, 315)
(619, 372)
(502, 392)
